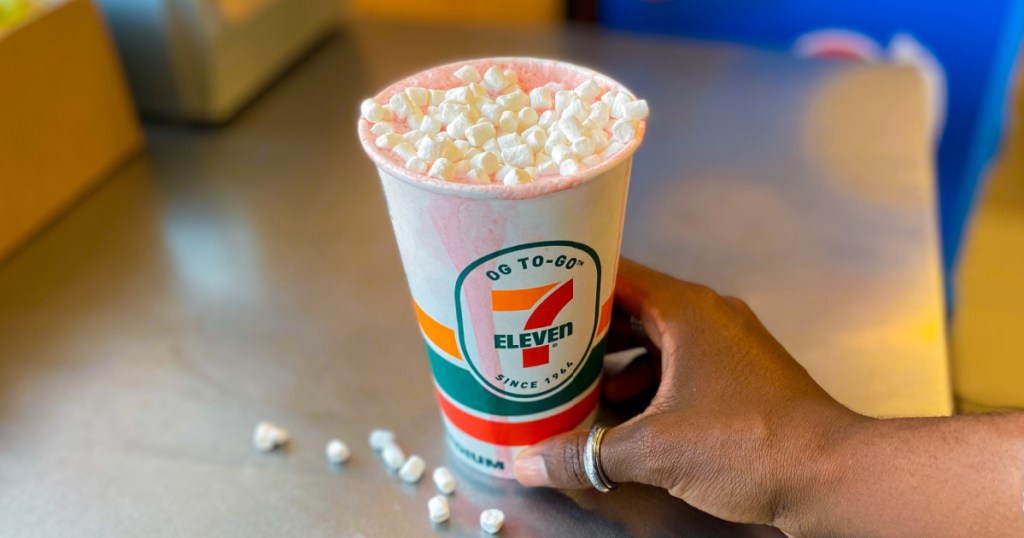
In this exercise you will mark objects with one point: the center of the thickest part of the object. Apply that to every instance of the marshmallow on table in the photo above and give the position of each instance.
(412, 470)
(444, 480)
(437, 509)
(337, 452)
(380, 438)
(393, 456)
(268, 436)
(491, 520)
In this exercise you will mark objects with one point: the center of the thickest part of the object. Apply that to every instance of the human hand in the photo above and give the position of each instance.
(736, 428)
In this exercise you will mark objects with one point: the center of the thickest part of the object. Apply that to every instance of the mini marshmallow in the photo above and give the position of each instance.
(620, 99)
(373, 111)
(598, 116)
(486, 161)
(393, 456)
(612, 149)
(480, 92)
(515, 176)
(555, 138)
(337, 452)
(636, 110)
(491, 111)
(492, 146)
(535, 137)
(494, 79)
(520, 156)
(531, 171)
(470, 152)
(583, 147)
(624, 129)
(442, 169)
(527, 117)
(458, 95)
(560, 153)
(382, 128)
(541, 98)
(509, 140)
(462, 167)
(429, 149)
(562, 100)
(590, 160)
(546, 166)
(380, 438)
(505, 169)
(576, 109)
(417, 165)
(478, 175)
(508, 122)
(414, 120)
(570, 128)
(405, 150)
(437, 509)
(444, 480)
(268, 436)
(436, 97)
(510, 76)
(419, 96)
(413, 136)
(513, 100)
(568, 167)
(388, 141)
(467, 74)
(449, 110)
(450, 151)
(491, 520)
(412, 470)
(609, 98)
(463, 146)
(480, 133)
(588, 90)
(600, 139)
(403, 105)
(546, 119)
(457, 128)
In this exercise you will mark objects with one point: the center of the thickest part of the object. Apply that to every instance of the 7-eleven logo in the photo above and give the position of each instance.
(527, 316)
(539, 332)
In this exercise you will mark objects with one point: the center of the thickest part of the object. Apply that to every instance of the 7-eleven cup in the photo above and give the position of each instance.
(512, 285)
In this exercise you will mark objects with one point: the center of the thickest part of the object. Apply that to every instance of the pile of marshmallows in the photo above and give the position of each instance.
(268, 436)
(491, 130)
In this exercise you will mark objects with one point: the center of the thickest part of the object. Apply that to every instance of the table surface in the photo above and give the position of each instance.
(249, 273)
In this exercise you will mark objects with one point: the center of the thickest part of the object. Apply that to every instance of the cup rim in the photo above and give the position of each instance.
(533, 189)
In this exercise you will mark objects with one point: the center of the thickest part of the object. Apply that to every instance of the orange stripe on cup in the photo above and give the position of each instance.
(513, 300)
(441, 336)
(606, 316)
(518, 433)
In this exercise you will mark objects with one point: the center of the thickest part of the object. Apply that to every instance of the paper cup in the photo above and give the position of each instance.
(512, 285)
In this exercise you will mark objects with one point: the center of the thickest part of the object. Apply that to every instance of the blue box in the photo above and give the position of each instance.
(967, 49)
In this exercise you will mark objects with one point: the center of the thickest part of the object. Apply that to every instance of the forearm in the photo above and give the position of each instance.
(959, 476)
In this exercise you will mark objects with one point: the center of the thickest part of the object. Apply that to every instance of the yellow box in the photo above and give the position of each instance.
(66, 118)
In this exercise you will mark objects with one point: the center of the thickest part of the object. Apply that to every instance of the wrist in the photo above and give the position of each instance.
(815, 469)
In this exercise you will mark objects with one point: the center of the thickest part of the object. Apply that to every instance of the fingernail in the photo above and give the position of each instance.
(530, 471)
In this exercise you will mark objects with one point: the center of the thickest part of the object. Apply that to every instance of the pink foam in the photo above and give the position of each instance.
(531, 73)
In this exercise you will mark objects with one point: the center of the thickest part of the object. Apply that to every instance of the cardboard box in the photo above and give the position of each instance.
(66, 118)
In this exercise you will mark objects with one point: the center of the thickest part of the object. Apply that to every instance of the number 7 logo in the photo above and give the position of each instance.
(545, 310)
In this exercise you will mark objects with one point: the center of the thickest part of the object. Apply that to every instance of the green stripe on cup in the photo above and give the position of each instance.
(462, 387)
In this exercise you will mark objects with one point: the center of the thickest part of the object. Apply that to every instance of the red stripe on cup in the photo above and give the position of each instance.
(518, 433)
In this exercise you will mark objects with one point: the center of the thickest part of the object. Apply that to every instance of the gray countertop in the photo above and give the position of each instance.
(246, 273)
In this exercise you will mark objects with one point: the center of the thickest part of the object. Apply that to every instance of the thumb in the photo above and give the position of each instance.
(558, 462)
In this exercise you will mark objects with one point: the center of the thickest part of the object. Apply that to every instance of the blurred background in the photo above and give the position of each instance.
(76, 76)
